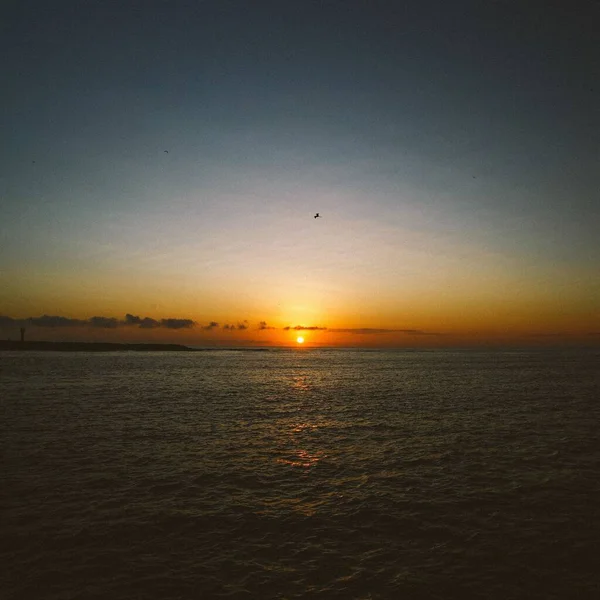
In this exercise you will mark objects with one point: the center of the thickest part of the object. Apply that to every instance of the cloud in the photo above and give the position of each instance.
(240, 326)
(149, 323)
(132, 320)
(210, 326)
(263, 325)
(55, 321)
(104, 322)
(304, 328)
(177, 323)
(544, 335)
(418, 332)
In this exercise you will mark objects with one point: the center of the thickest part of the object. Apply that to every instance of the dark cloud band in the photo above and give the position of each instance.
(370, 331)
(53, 321)
(99, 322)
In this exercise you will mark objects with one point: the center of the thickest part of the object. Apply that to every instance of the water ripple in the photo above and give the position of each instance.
(300, 474)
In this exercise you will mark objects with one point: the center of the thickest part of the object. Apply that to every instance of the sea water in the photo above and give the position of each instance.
(300, 474)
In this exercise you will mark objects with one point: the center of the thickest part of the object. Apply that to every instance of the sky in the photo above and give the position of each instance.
(162, 163)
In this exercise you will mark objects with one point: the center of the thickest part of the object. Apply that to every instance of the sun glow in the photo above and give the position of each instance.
(300, 339)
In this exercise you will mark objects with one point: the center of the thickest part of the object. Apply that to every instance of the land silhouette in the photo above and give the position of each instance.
(91, 347)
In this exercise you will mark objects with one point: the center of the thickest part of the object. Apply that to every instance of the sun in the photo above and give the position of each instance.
(300, 339)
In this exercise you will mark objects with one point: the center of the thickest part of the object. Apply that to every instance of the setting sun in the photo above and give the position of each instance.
(300, 340)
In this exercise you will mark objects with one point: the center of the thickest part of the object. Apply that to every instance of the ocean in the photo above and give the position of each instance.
(300, 474)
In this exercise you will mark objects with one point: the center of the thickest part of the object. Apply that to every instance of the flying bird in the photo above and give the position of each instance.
(167, 151)
(318, 216)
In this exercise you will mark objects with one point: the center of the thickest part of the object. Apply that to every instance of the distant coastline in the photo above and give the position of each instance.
(91, 347)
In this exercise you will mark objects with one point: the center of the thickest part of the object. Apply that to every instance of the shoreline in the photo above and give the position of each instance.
(91, 347)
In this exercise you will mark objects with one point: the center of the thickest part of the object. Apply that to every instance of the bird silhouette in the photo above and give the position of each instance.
(167, 151)
(318, 216)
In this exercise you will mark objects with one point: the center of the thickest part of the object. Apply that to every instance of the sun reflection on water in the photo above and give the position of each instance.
(300, 427)
(302, 458)
(300, 383)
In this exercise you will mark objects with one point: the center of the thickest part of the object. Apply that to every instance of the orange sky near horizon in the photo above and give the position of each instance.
(452, 308)
(276, 333)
